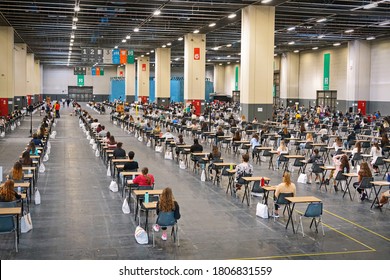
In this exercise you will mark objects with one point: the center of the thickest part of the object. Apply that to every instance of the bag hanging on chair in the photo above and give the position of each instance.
(26, 223)
(126, 207)
(97, 154)
(113, 186)
(42, 168)
(108, 171)
(46, 157)
(262, 210)
(37, 197)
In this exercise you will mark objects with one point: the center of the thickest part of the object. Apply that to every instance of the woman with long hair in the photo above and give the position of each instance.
(7, 192)
(26, 160)
(285, 187)
(166, 203)
(364, 171)
(16, 172)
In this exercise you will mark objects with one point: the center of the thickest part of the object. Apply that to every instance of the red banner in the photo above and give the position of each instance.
(143, 66)
(123, 56)
(97, 71)
(196, 53)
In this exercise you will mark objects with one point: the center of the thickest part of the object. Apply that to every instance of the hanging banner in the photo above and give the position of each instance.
(236, 79)
(101, 71)
(123, 56)
(115, 56)
(97, 71)
(93, 71)
(326, 71)
(130, 57)
(80, 80)
(196, 53)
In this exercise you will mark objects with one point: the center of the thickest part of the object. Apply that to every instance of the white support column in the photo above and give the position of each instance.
(257, 58)
(130, 82)
(143, 71)
(163, 76)
(7, 74)
(219, 78)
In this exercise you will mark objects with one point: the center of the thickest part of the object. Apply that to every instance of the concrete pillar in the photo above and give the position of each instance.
(289, 77)
(20, 68)
(7, 74)
(358, 73)
(130, 82)
(257, 58)
(163, 76)
(195, 69)
(143, 70)
(37, 80)
(219, 78)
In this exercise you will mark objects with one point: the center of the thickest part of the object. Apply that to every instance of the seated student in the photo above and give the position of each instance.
(282, 149)
(316, 161)
(102, 132)
(26, 160)
(243, 169)
(111, 143)
(218, 133)
(179, 141)
(107, 138)
(94, 124)
(144, 179)
(351, 138)
(166, 203)
(98, 128)
(285, 187)
(323, 131)
(36, 140)
(383, 199)
(7, 192)
(167, 134)
(337, 146)
(364, 171)
(131, 165)
(213, 156)
(33, 150)
(376, 151)
(309, 139)
(342, 164)
(196, 147)
(118, 151)
(16, 173)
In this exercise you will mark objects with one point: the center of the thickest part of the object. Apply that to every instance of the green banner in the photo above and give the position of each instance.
(236, 79)
(326, 71)
(80, 80)
(101, 71)
(130, 56)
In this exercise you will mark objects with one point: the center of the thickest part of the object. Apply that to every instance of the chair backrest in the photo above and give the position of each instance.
(282, 198)
(166, 219)
(242, 181)
(7, 222)
(340, 176)
(145, 188)
(357, 156)
(365, 183)
(256, 187)
(379, 161)
(283, 157)
(314, 209)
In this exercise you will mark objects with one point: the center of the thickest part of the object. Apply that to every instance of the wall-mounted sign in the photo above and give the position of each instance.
(196, 53)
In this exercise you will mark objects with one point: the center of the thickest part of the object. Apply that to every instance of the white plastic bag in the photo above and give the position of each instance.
(126, 207)
(302, 178)
(113, 186)
(149, 143)
(168, 155)
(48, 151)
(26, 223)
(109, 171)
(2, 134)
(97, 154)
(48, 144)
(94, 146)
(37, 197)
(92, 141)
(262, 210)
(18, 123)
(203, 176)
(182, 164)
(89, 137)
(42, 168)
(140, 138)
(46, 157)
(159, 149)
(141, 236)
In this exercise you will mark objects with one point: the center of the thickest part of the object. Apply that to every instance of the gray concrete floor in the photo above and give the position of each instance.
(79, 218)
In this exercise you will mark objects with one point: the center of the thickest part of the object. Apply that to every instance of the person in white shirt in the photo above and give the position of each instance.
(376, 151)
(168, 134)
(323, 130)
(282, 149)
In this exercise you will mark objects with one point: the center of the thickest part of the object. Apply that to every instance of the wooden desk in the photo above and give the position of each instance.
(379, 184)
(230, 186)
(267, 190)
(387, 165)
(247, 191)
(348, 182)
(298, 199)
(138, 194)
(148, 206)
(220, 165)
(326, 168)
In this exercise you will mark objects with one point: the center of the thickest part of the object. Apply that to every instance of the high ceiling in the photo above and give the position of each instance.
(46, 25)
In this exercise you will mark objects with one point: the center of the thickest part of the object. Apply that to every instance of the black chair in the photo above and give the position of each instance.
(365, 185)
(281, 200)
(167, 219)
(313, 211)
(8, 223)
(340, 178)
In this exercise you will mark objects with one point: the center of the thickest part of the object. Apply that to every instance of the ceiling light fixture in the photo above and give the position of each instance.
(216, 48)
(196, 31)
(386, 22)
(228, 55)
(169, 44)
(228, 45)
(275, 54)
(296, 51)
(336, 44)
(208, 60)
(320, 36)
(164, 46)
(70, 44)
(291, 43)
(349, 31)
(147, 53)
(74, 27)
(237, 61)
(152, 51)
(127, 37)
(71, 40)
(291, 28)
(315, 48)
(177, 59)
(232, 16)
(370, 38)
(75, 19)
(180, 39)
(77, 8)
(115, 47)
(212, 24)
(265, 1)
(321, 20)
(142, 55)
(228, 62)
(72, 36)
(136, 29)
(370, 6)
(157, 12)
(124, 41)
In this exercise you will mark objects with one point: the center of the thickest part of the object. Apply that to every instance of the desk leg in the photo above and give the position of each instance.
(387, 170)
(246, 194)
(136, 209)
(376, 193)
(347, 188)
(147, 223)
(323, 180)
(290, 212)
(17, 227)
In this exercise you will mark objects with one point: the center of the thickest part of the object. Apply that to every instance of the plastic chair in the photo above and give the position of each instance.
(313, 211)
(379, 162)
(357, 158)
(281, 200)
(167, 219)
(365, 184)
(340, 178)
(8, 223)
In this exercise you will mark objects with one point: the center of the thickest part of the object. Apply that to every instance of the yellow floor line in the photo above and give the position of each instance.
(355, 224)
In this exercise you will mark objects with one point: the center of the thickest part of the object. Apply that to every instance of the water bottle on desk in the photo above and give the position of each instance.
(146, 197)
(262, 181)
(19, 190)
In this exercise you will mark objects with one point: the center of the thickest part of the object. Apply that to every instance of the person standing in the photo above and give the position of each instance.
(57, 108)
